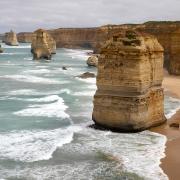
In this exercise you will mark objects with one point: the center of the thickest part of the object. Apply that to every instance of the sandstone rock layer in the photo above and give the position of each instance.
(10, 39)
(43, 45)
(130, 72)
(25, 37)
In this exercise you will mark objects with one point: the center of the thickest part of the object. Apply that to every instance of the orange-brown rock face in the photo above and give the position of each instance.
(43, 45)
(10, 39)
(25, 37)
(130, 73)
(168, 35)
(174, 62)
(79, 37)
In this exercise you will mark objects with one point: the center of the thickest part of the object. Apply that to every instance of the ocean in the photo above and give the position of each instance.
(45, 113)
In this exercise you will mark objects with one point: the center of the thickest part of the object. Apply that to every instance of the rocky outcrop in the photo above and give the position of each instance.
(130, 72)
(87, 75)
(43, 45)
(10, 39)
(92, 61)
(1, 50)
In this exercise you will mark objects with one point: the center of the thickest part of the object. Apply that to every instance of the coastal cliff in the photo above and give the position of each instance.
(167, 34)
(25, 37)
(79, 37)
(129, 95)
(43, 45)
(10, 39)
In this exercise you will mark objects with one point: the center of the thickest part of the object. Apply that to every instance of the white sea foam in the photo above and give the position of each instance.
(172, 112)
(55, 109)
(172, 105)
(45, 99)
(93, 86)
(29, 58)
(138, 153)
(23, 92)
(88, 80)
(27, 46)
(84, 93)
(37, 71)
(35, 92)
(14, 53)
(30, 146)
(78, 53)
(33, 79)
(81, 170)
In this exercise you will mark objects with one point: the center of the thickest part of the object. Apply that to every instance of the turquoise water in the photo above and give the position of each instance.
(44, 116)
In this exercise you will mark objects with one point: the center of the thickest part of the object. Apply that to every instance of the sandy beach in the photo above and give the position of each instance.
(171, 163)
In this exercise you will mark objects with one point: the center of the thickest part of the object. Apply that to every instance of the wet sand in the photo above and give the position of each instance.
(171, 163)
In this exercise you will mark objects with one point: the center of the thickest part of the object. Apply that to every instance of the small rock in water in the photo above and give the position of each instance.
(92, 61)
(175, 125)
(64, 68)
(87, 75)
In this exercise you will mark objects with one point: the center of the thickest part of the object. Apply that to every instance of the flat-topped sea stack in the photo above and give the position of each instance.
(10, 39)
(43, 45)
(129, 95)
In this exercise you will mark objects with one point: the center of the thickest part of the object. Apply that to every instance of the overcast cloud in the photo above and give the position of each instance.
(28, 15)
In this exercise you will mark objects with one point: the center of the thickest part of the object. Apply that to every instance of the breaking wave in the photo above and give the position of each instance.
(33, 79)
(30, 146)
(55, 109)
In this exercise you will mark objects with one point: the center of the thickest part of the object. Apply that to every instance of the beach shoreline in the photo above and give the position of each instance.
(171, 163)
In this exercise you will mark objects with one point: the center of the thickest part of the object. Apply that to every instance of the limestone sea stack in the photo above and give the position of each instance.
(43, 45)
(129, 95)
(10, 39)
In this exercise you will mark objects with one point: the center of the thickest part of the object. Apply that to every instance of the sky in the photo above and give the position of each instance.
(29, 15)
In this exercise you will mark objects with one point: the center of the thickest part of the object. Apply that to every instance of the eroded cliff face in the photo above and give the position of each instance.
(25, 37)
(43, 45)
(10, 39)
(168, 36)
(174, 59)
(93, 38)
(78, 37)
(130, 73)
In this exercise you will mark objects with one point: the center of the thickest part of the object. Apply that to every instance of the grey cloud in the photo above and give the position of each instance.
(28, 15)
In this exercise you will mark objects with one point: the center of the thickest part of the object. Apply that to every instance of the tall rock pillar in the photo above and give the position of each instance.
(129, 95)
(43, 45)
(11, 39)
